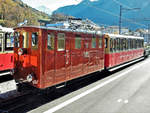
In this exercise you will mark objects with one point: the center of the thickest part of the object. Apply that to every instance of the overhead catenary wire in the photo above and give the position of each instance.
(119, 3)
(115, 15)
(127, 7)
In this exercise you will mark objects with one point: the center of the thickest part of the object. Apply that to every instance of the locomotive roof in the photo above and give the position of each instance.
(62, 29)
(82, 31)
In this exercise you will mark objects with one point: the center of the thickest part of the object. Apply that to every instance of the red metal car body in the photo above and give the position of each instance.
(48, 56)
(6, 50)
(121, 49)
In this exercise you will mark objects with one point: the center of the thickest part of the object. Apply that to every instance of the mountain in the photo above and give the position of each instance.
(13, 12)
(107, 12)
(44, 9)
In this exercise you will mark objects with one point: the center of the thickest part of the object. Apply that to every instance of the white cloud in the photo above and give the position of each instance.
(51, 4)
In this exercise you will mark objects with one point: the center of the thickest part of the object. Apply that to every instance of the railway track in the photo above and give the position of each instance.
(10, 104)
(10, 98)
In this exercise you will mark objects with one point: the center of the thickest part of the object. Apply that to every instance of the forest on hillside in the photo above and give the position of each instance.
(13, 12)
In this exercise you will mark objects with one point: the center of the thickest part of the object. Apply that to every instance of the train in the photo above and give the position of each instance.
(47, 56)
(6, 51)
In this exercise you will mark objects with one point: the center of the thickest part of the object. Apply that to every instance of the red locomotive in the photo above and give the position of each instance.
(6, 50)
(46, 56)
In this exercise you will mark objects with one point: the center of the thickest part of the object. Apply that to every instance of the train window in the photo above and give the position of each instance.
(16, 39)
(142, 43)
(100, 42)
(9, 40)
(111, 45)
(121, 44)
(0, 43)
(134, 43)
(131, 43)
(35, 40)
(77, 43)
(25, 39)
(115, 45)
(50, 41)
(106, 42)
(61, 42)
(118, 43)
(138, 43)
(124, 44)
(94, 42)
(1, 35)
(128, 44)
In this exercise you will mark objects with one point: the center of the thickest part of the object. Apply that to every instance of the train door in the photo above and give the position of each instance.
(68, 57)
(107, 50)
(49, 70)
(8, 51)
(62, 58)
(86, 54)
(112, 55)
(93, 54)
(76, 56)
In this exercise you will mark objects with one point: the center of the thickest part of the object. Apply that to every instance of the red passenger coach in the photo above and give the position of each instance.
(121, 49)
(6, 50)
(47, 56)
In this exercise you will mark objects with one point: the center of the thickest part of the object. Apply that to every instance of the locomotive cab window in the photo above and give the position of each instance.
(35, 40)
(61, 42)
(9, 41)
(25, 39)
(50, 42)
(16, 39)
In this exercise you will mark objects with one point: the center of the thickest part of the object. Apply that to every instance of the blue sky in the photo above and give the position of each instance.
(51, 4)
